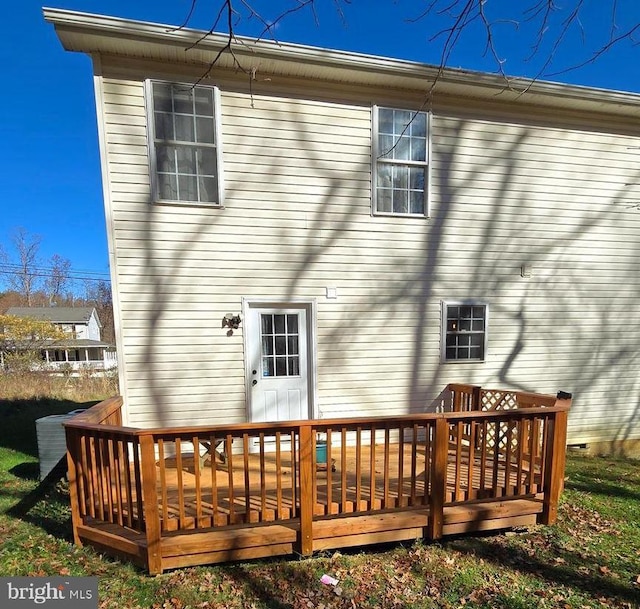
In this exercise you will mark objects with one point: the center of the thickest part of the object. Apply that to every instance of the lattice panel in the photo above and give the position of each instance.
(498, 400)
(506, 434)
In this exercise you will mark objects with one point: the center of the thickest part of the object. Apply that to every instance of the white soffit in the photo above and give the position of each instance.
(89, 33)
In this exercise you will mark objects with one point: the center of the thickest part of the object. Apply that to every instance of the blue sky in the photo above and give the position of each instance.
(49, 148)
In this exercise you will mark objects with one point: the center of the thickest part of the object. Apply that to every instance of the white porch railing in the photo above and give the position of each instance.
(108, 361)
(106, 364)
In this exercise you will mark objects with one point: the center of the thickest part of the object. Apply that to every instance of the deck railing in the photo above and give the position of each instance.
(487, 445)
(103, 462)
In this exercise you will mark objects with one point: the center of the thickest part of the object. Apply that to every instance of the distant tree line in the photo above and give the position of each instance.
(26, 280)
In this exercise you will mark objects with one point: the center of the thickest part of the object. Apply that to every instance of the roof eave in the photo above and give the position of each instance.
(89, 33)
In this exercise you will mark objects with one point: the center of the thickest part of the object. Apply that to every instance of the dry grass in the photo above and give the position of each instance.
(64, 387)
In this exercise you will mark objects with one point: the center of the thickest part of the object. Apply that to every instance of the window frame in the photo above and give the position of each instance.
(376, 160)
(445, 304)
(152, 143)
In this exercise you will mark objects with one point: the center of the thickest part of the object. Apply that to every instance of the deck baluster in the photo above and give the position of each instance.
(358, 497)
(372, 468)
(247, 481)
(263, 481)
(343, 467)
(195, 440)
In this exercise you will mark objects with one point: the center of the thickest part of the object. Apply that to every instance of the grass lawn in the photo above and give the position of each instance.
(591, 558)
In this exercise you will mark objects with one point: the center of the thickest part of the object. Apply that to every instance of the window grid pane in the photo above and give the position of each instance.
(280, 344)
(186, 157)
(465, 332)
(402, 162)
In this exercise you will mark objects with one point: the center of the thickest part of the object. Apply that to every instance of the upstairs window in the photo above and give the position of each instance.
(185, 153)
(401, 162)
(464, 331)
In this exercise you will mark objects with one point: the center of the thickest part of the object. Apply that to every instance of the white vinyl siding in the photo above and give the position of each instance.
(297, 218)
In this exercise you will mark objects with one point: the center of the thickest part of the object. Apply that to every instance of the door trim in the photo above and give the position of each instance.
(310, 305)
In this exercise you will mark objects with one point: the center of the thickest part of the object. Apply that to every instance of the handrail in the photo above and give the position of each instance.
(134, 432)
(268, 427)
(107, 410)
(497, 414)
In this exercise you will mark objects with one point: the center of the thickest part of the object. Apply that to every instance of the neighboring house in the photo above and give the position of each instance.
(372, 236)
(83, 348)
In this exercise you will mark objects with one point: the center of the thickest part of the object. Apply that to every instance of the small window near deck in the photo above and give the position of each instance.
(185, 153)
(464, 331)
(401, 162)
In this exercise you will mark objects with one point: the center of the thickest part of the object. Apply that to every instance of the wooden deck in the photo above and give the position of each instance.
(155, 497)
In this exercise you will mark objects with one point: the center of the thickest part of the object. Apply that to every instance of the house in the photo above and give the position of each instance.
(310, 233)
(82, 348)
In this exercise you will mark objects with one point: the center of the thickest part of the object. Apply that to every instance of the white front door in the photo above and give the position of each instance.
(278, 363)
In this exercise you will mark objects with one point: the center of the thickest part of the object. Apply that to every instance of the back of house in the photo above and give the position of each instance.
(305, 233)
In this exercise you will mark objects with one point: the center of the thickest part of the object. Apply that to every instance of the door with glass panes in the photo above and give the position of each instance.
(278, 364)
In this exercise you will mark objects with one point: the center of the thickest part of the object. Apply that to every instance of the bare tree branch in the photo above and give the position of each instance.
(546, 8)
(187, 18)
(558, 41)
(607, 47)
(614, 25)
(490, 44)
(22, 275)
(269, 26)
(58, 278)
(548, 23)
(227, 13)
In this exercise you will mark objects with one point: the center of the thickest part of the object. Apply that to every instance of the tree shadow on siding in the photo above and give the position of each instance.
(403, 287)
(547, 311)
(164, 277)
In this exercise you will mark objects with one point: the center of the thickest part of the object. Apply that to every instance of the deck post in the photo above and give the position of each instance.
(477, 398)
(150, 504)
(73, 456)
(555, 460)
(438, 478)
(306, 490)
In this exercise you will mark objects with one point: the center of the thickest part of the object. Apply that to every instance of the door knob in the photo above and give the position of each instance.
(254, 382)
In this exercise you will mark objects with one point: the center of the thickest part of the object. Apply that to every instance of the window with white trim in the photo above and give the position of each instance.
(401, 162)
(184, 135)
(464, 331)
